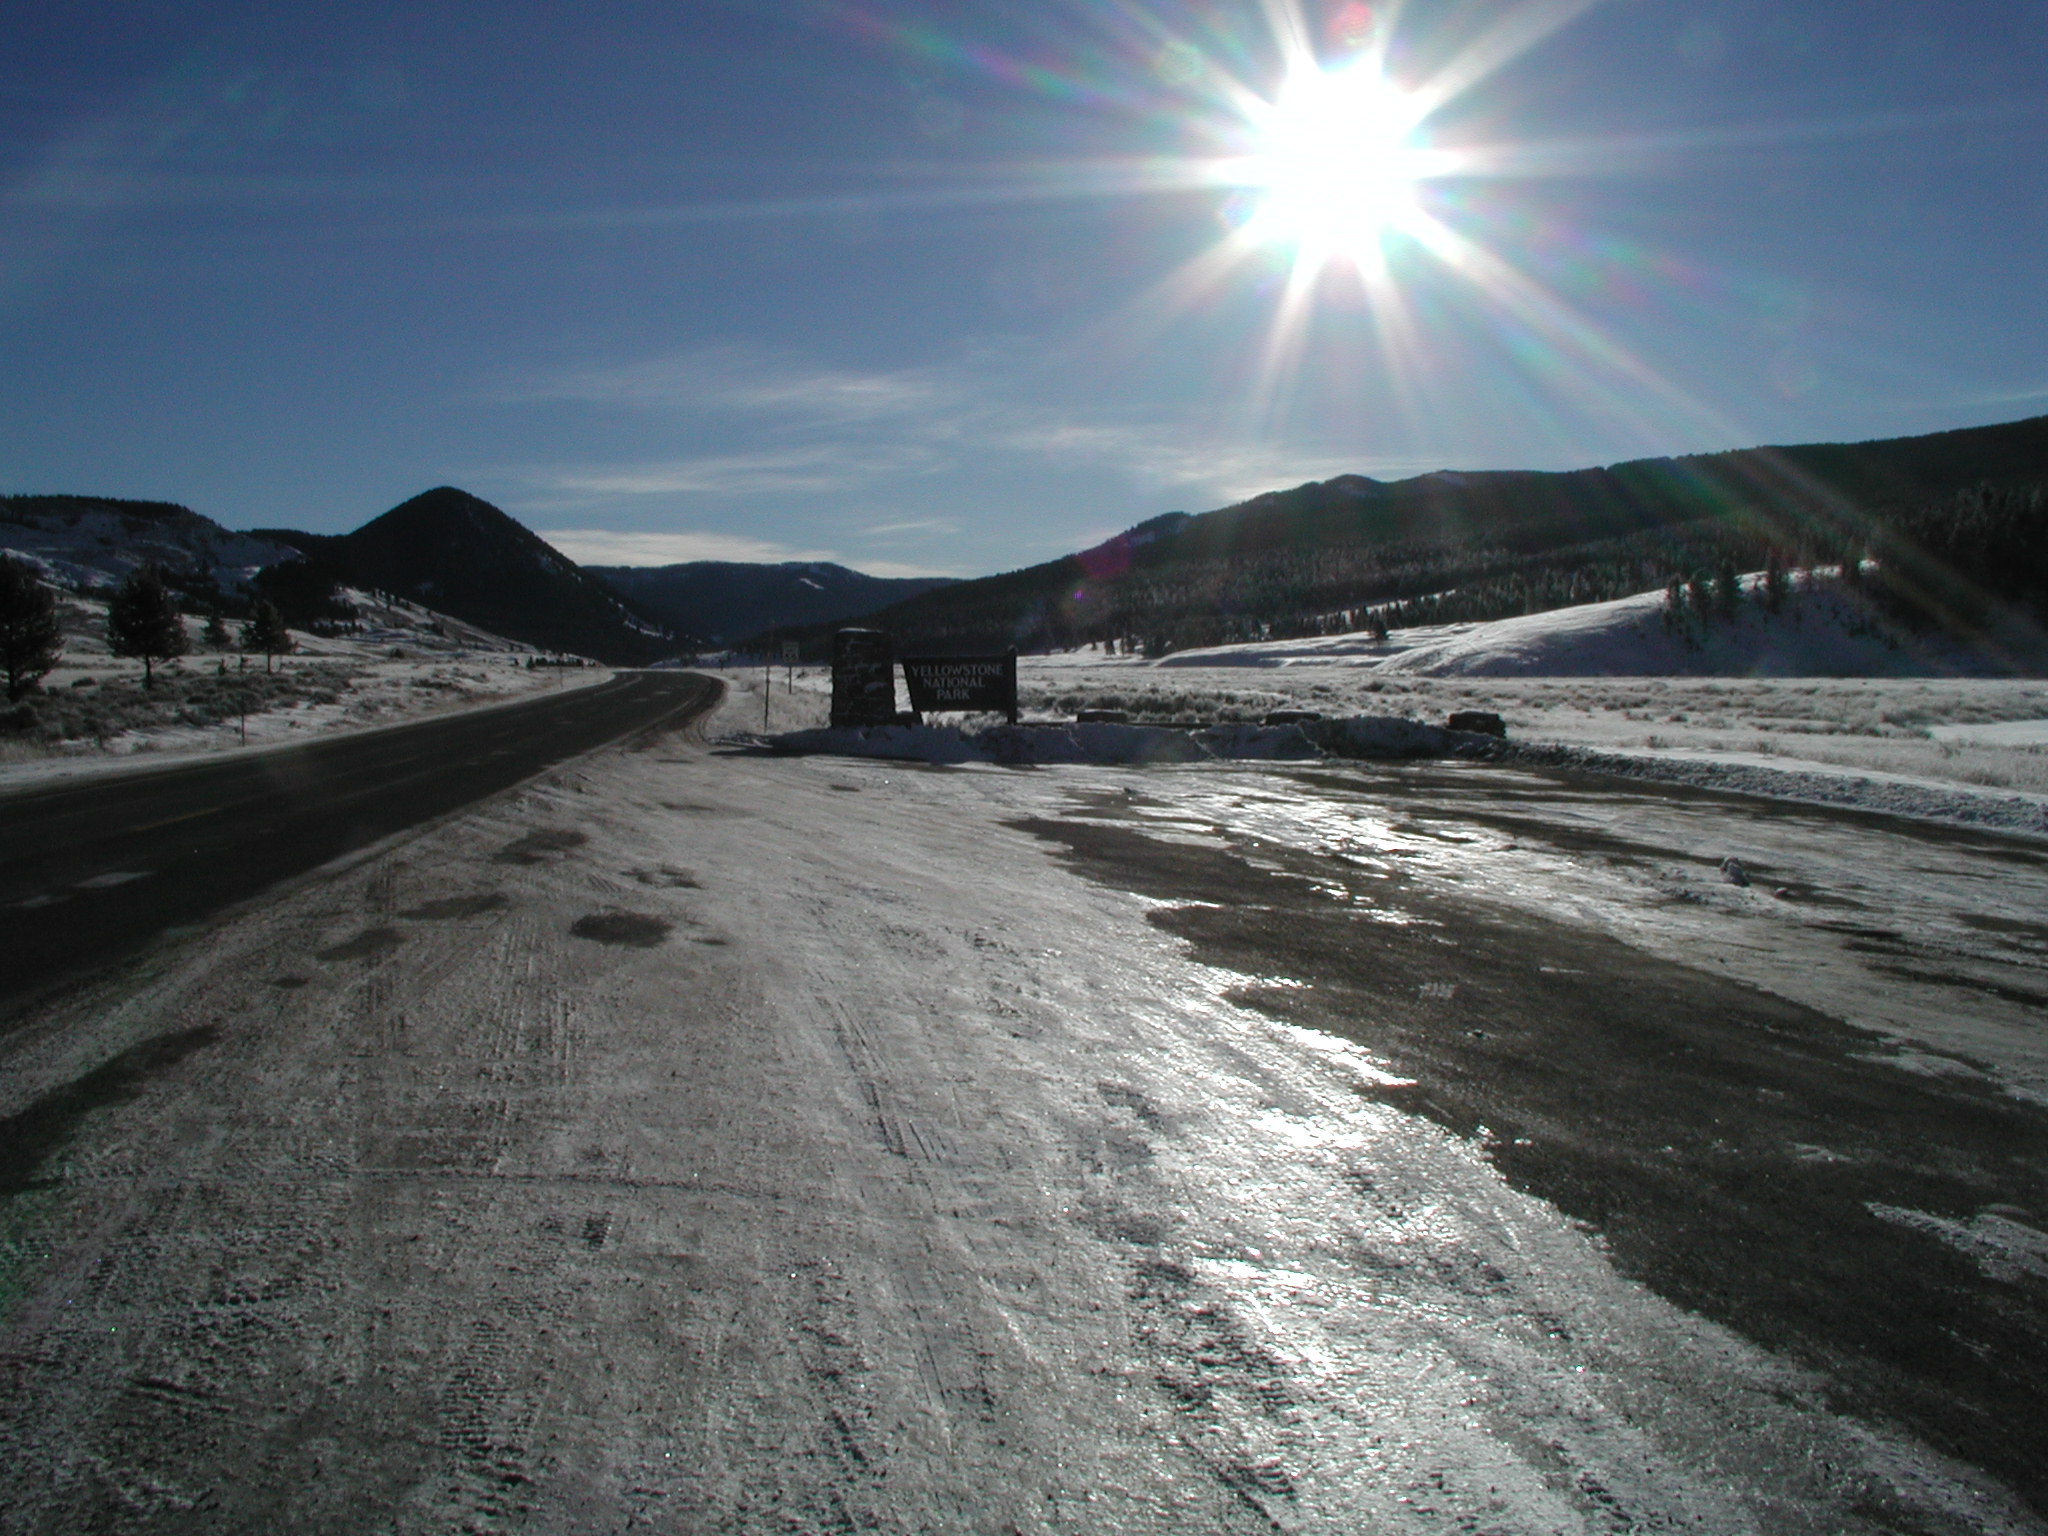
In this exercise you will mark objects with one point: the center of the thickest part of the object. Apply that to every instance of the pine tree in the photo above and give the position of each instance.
(1727, 588)
(216, 634)
(1700, 594)
(30, 637)
(266, 633)
(1776, 583)
(143, 621)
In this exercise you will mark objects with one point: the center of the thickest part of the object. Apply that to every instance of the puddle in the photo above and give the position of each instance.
(366, 945)
(635, 930)
(456, 906)
(28, 1139)
(536, 846)
(108, 881)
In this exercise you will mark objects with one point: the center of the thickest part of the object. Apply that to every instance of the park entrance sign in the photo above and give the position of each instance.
(864, 680)
(963, 682)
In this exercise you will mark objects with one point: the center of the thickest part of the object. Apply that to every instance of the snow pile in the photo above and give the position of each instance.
(1393, 736)
(1812, 784)
(1367, 736)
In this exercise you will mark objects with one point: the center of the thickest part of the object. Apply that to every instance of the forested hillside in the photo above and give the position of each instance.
(1955, 518)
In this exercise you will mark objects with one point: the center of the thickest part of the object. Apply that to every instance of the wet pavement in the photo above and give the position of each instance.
(1761, 1161)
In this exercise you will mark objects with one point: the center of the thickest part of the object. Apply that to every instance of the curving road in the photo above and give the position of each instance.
(90, 872)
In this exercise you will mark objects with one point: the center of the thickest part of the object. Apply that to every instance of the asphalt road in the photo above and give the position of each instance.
(91, 872)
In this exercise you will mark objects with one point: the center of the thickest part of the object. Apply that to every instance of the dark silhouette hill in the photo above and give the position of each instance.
(457, 553)
(725, 600)
(1337, 554)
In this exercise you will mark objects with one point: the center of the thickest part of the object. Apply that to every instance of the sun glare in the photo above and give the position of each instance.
(1333, 167)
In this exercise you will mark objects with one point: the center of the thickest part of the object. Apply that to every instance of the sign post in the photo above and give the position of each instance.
(963, 682)
(792, 653)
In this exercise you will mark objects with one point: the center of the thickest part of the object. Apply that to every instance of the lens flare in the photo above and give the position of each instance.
(1334, 167)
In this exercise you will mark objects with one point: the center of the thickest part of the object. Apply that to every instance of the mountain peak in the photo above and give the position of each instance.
(469, 558)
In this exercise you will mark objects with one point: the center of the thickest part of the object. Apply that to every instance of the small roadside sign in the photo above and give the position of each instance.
(792, 653)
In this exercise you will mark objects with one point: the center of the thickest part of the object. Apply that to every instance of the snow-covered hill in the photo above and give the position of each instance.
(85, 542)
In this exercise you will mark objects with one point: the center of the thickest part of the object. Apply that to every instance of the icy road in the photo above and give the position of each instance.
(697, 1141)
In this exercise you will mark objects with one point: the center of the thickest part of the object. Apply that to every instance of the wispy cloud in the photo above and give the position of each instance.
(605, 546)
(1186, 455)
(922, 525)
(814, 467)
(831, 428)
(744, 380)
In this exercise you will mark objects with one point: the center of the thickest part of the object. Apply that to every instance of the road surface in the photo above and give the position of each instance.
(93, 870)
(701, 1142)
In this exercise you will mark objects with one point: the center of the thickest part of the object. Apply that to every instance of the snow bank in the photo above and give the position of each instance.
(1363, 736)
(1887, 794)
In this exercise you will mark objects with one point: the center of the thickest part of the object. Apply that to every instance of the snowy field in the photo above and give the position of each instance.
(1971, 750)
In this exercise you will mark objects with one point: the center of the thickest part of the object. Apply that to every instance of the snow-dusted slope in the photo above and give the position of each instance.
(83, 543)
(1820, 633)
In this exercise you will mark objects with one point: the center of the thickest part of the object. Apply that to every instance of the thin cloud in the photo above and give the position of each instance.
(606, 546)
(818, 467)
(831, 429)
(1184, 456)
(896, 530)
(727, 380)
(901, 568)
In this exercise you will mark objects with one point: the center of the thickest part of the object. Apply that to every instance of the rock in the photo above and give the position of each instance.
(1733, 872)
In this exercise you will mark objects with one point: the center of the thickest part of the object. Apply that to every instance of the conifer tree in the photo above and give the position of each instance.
(1776, 583)
(266, 634)
(30, 637)
(143, 621)
(1727, 588)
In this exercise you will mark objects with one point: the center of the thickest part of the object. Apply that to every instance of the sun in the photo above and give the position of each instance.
(1333, 168)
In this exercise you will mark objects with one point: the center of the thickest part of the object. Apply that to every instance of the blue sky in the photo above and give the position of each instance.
(959, 287)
